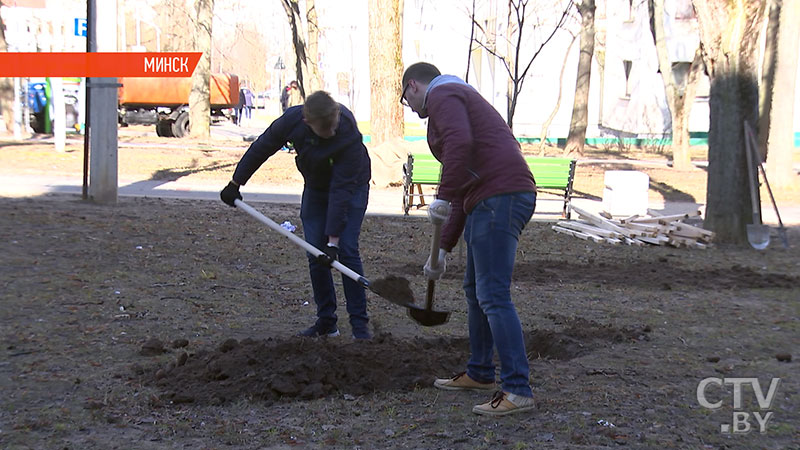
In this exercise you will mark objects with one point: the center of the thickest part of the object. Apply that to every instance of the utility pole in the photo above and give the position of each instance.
(102, 124)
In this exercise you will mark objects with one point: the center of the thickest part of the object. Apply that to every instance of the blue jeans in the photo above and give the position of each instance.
(313, 214)
(492, 232)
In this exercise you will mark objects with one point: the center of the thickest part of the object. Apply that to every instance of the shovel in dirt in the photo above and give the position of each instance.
(394, 289)
(751, 139)
(428, 317)
(757, 232)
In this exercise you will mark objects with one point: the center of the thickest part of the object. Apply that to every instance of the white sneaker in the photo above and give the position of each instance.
(504, 403)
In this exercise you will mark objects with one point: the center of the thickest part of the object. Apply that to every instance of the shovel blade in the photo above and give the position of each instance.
(428, 317)
(758, 236)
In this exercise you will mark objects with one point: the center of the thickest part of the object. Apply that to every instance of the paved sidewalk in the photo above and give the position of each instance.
(381, 202)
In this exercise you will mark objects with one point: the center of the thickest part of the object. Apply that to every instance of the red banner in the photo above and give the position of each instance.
(179, 64)
(24, 3)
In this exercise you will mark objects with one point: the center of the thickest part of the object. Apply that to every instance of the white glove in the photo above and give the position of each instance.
(435, 274)
(438, 211)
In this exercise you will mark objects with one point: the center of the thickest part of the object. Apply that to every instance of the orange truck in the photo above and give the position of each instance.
(164, 102)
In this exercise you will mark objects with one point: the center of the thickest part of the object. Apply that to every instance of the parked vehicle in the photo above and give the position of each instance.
(164, 102)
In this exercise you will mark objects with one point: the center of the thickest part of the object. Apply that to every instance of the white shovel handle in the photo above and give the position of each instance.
(435, 240)
(297, 240)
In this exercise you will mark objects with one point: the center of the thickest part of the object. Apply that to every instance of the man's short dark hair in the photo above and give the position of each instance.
(320, 108)
(422, 72)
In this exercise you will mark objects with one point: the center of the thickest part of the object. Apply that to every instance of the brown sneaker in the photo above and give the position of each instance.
(504, 403)
(462, 382)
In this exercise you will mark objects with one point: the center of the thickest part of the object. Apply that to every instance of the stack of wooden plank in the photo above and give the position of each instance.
(652, 229)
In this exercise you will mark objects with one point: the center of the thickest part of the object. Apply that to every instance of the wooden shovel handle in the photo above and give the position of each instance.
(435, 240)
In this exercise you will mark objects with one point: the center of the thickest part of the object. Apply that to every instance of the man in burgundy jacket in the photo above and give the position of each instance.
(488, 192)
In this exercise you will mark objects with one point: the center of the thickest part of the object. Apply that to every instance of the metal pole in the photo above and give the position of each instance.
(17, 111)
(90, 47)
(103, 176)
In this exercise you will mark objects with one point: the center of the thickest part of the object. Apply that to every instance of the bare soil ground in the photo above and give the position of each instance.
(160, 323)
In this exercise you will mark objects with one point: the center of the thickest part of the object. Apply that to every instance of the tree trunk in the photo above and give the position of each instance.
(200, 96)
(781, 133)
(6, 87)
(512, 61)
(680, 124)
(386, 69)
(305, 62)
(728, 36)
(681, 152)
(676, 101)
(315, 81)
(765, 87)
(580, 108)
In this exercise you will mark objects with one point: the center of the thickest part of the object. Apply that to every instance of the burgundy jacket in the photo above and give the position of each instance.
(480, 156)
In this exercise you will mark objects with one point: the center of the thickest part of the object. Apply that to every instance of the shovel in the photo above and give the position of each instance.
(394, 289)
(751, 139)
(428, 317)
(757, 233)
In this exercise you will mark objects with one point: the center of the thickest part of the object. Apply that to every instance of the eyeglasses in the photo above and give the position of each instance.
(403, 100)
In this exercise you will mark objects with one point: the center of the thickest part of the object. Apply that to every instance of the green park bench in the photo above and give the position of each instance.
(552, 175)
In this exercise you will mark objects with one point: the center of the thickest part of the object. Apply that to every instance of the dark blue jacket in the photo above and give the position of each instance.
(337, 165)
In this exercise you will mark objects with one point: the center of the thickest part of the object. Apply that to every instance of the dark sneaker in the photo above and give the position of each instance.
(462, 382)
(361, 333)
(503, 404)
(318, 330)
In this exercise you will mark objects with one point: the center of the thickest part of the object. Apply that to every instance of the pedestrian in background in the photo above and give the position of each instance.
(336, 171)
(248, 103)
(240, 107)
(285, 98)
(295, 96)
(488, 192)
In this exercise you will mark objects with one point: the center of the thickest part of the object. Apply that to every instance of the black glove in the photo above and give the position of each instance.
(230, 194)
(329, 254)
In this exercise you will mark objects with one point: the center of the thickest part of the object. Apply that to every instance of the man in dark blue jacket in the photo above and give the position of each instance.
(335, 166)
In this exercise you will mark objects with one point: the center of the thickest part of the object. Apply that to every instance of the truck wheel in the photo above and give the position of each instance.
(164, 128)
(180, 127)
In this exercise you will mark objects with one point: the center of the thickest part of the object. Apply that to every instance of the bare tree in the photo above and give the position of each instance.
(471, 39)
(240, 46)
(782, 112)
(305, 62)
(678, 102)
(314, 74)
(728, 38)
(768, 64)
(385, 69)
(200, 95)
(6, 87)
(576, 140)
(243, 53)
(173, 15)
(516, 68)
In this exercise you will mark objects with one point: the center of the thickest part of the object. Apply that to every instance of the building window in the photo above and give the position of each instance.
(627, 66)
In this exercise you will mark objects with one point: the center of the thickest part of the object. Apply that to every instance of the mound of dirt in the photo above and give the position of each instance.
(307, 368)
